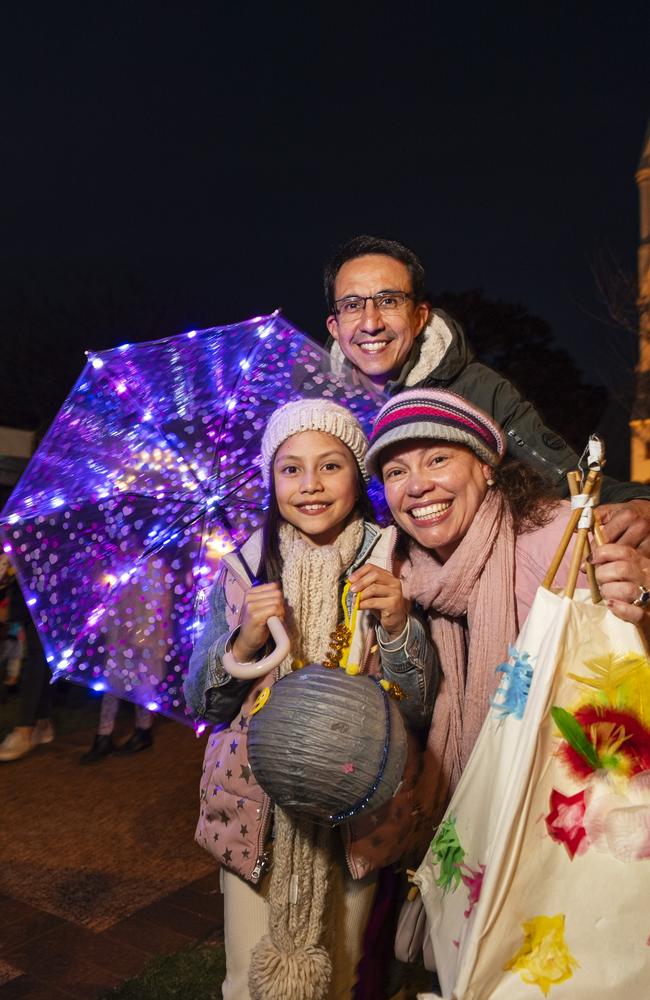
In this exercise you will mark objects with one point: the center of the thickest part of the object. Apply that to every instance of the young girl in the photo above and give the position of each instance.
(298, 933)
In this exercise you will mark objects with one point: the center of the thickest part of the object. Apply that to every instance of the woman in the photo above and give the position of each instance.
(479, 539)
(319, 532)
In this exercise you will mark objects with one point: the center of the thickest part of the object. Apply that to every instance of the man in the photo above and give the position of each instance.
(382, 325)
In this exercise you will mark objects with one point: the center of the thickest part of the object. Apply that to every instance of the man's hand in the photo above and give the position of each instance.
(381, 593)
(260, 604)
(627, 524)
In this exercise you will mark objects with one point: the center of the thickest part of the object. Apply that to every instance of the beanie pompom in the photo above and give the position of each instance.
(303, 974)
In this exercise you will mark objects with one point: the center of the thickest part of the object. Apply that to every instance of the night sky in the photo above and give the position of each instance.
(214, 154)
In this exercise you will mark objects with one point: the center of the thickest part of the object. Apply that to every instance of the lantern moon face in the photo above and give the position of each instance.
(328, 744)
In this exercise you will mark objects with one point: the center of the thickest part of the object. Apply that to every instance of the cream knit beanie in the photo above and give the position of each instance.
(312, 415)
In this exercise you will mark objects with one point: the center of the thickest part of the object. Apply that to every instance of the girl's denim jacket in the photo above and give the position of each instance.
(214, 695)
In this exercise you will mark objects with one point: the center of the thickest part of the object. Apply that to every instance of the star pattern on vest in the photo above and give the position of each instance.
(241, 803)
(245, 772)
(217, 789)
(227, 855)
(243, 722)
(243, 830)
(217, 764)
(233, 746)
(215, 837)
(224, 817)
(229, 773)
(246, 853)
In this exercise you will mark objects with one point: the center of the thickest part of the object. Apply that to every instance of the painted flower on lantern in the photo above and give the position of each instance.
(473, 879)
(620, 680)
(449, 854)
(565, 822)
(598, 737)
(617, 815)
(512, 694)
(543, 959)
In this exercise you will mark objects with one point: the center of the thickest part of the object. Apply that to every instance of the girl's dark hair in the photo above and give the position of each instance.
(270, 570)
(531, 498)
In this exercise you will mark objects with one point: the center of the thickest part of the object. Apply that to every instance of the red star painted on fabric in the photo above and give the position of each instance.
(565, 822)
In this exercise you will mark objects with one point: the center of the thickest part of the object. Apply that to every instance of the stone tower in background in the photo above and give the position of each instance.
(640, 422)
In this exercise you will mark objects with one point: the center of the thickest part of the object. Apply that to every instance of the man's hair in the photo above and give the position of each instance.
(361, 246)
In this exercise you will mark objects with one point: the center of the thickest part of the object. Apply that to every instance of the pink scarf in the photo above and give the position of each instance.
(472, 615)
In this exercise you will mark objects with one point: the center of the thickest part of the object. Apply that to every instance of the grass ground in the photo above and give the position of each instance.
(198, 972)
(195, 973)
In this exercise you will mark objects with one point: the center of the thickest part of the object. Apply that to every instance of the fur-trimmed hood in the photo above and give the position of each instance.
(439, 354)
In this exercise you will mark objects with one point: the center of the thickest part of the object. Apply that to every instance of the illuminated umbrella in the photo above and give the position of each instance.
(147, 476)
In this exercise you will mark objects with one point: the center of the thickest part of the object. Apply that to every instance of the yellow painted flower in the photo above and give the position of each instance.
(543, 959)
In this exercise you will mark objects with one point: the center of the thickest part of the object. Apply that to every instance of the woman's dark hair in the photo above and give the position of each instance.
(531, 498)
(361, 246)
(271, 562)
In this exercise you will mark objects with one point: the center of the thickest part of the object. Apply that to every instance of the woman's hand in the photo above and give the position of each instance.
(381, 593)
(621, 572)
(260, 604)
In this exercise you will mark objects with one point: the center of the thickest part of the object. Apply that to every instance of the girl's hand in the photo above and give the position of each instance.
(260, 604)
(381, 593)
(620, 572)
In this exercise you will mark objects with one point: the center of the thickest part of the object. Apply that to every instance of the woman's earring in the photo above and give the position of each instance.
(490, 482)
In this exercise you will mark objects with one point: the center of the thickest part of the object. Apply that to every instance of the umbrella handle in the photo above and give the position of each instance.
(248, 671)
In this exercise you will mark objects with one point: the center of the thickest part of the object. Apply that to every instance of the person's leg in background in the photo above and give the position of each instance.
(33, 723)
(103, 741)
(142, 736)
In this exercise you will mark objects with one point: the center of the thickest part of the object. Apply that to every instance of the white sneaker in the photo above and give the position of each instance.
(43, 732)
(15, 745)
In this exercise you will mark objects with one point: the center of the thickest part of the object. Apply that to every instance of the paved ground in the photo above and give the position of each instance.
(51, 811)
(47, 958)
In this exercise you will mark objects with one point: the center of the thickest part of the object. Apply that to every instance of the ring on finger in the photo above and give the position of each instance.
(643, 599)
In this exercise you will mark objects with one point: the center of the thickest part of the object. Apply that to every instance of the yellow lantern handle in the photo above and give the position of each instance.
(249, 671)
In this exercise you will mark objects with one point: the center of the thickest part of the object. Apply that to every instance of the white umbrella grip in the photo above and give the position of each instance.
(248, 671)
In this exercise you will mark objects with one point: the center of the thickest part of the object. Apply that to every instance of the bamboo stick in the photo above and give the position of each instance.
(572, 524)
(574, 488)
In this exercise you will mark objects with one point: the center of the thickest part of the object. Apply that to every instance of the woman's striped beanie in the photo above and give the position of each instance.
(439, 415)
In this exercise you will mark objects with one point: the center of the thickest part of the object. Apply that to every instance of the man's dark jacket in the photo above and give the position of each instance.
(442, 359)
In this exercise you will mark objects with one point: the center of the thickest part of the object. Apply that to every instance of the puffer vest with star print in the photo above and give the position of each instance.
(235, 813)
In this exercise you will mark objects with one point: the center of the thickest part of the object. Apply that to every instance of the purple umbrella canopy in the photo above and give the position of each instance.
(147, 476)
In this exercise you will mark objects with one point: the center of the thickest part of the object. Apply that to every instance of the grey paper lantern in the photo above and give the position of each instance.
(328, 744)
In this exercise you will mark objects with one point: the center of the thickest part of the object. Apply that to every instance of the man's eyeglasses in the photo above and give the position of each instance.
(352, 306)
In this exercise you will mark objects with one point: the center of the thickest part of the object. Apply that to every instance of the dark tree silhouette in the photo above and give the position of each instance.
(507, 337)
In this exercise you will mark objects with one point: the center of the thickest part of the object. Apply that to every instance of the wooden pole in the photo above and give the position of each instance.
(574, 488)
(591, 481)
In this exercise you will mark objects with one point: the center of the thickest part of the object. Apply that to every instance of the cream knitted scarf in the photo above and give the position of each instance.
(472, 616)
(291, 963)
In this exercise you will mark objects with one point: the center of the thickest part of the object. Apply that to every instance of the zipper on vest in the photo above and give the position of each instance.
(262, 860)
(260, 867)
